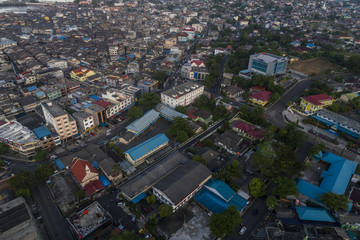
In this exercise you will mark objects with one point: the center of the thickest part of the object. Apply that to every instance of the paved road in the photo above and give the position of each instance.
(215, 90)
(55, 224)
(274, 113)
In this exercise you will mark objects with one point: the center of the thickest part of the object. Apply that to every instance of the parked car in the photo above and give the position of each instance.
(148, 236)
(255, 211)
(121, 227)
(242, 230)
(92, 134)
(133, 219)
(120, 204)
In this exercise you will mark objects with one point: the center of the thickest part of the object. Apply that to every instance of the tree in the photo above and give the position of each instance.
(181, 109)
(222, 224)
(192, 21)
(23, 192)
(271, 202)
(199, 159)
(80, 194)
(180, 129)
(292, 136)
(220, 112)
(4, 148)
(160, 76)
(125, 235)
(165, 210)
(43, 172)
(24, 180)
(40, 154)
(334, 201)
(257, 187)
(134, 113)
(353, 63)
(151, 199)
(315, 149)
(149, 100)
(284, 187)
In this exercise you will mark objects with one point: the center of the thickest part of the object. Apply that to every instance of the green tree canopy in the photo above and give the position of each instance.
(181, 109)
(334, 201)
(149, 100)
(271, 202)
(180, 129)
(40, 154)
(125, 235)
(165, 210)
(292, 136)
(80, 194)
(43, 172)
(3, 148)
(160, 76)
(134, 113)
(220, 112)
(22, 183)
(284, 187)
(151, 199)
(315, 149)
(353, 63)
(23, 192)
(257, 187)
(222, 224)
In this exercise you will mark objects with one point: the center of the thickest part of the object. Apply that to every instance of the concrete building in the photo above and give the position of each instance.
(18, 137)
(313, 103)
(57, 63)
(148, 85)
(137, 154)
(182, 95)
(17, 221)
(119, 101)
(64, 124)
(182, 184)
(88, 220)
(98, 113)
(46, 137)
(267, 64)
(84, 120)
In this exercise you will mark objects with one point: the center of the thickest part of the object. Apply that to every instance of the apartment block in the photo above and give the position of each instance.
(182, 95)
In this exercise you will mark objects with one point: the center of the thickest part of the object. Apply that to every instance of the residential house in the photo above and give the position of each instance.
(232, 143)
(248, 130)
(132, 67)
(46, 137)
(85, 120)
(81, 74)
(261, 98)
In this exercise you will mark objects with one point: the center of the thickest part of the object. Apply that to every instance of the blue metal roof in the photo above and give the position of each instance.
(335, 179)
(95, 164)
(147, 146)
(139, 197)
(59, 164)
(314, 214)
(214, 201)
(141, 124)
(168, 112)
(32, 88)
(104, 180)
(41, 132)
(338, 175)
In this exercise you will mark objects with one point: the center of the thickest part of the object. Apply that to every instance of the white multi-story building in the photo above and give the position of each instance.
(84, 120)
(57, 63)
(119, 99)
(182, 95)
(18, 137)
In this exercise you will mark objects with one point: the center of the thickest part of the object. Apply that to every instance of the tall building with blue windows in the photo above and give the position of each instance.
(267, 64)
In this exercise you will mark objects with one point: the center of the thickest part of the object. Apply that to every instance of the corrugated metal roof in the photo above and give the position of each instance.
(168, 112)
(147, 146)
(41, 132)
(314, 214)
(144, 122)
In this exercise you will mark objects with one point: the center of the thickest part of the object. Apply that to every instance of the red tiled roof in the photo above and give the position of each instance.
(102, 103)
(197, 62)
(257, 89)
(79, 70)
(78, 168)
(93, 187)
(262, 96)
(317, 99)
(249, 129)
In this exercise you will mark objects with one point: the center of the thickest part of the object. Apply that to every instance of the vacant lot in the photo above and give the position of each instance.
(315, 65)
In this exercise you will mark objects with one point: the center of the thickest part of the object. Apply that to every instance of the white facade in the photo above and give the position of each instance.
(182, 95)
(57, 64)
(119, 100)
(30, 80)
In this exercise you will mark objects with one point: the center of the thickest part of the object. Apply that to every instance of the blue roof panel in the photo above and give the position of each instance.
(139, 125)
(32, 88)
(221, 188)
(104, 180)
(139, 197)
(147, 146)
(41, 132)
(314, 214)
(59, 164)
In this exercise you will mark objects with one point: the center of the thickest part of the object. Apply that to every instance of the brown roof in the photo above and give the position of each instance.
(78, 168)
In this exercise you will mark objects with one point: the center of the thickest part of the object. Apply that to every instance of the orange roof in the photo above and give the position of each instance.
(317, 99)
(78, 168)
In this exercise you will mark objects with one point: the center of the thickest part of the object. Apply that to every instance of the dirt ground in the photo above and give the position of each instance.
(315, 65)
